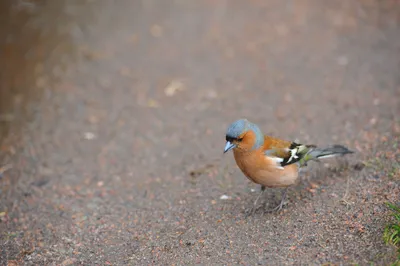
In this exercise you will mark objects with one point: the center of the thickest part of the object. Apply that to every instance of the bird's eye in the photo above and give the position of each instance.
(229, 139)
(239, 139)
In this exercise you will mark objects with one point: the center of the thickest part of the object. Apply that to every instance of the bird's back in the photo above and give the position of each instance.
(271, 142)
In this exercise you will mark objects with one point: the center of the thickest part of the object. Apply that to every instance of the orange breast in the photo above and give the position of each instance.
(262, 170)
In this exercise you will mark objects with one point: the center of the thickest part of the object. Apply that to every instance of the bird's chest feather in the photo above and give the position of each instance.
(262, 170)
(249, 162)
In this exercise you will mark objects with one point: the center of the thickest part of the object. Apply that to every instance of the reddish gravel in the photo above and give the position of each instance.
(113, 115)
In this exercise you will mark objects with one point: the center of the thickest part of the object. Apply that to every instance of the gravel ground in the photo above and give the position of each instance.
(113, 116)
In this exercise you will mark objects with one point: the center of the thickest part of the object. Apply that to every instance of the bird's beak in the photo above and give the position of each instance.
(229, 146)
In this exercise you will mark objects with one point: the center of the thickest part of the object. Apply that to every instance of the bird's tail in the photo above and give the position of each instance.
(314, 154)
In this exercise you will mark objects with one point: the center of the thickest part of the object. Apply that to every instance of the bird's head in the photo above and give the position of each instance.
(243, 135)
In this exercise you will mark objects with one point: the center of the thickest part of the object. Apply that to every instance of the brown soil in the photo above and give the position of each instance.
(113, 116)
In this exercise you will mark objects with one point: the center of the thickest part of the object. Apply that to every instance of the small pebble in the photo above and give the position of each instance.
(224, 197)
(89, 135)
(173, 87)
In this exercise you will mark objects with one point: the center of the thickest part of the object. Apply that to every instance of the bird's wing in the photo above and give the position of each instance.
(285, 152)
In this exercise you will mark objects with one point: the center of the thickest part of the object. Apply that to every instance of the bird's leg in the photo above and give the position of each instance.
(254, 208)
(259, 195)
(279, 207)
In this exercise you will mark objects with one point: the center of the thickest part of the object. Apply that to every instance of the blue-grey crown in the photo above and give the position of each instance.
(237, 128)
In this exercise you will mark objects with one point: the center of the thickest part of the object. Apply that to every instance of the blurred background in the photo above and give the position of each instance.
(113, 118)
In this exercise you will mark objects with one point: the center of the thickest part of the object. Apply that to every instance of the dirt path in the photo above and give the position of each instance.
(116, 157)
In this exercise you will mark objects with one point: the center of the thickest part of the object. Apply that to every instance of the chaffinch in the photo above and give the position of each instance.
(269, 161)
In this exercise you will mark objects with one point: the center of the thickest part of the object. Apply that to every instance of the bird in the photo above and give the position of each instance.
(272, 162)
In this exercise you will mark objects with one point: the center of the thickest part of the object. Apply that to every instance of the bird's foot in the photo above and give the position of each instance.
(281, 204)
(276, 209)
(252, 210)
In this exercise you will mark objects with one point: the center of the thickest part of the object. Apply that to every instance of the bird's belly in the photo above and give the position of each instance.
(270, 175)
(261, 170)
(276, 177)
